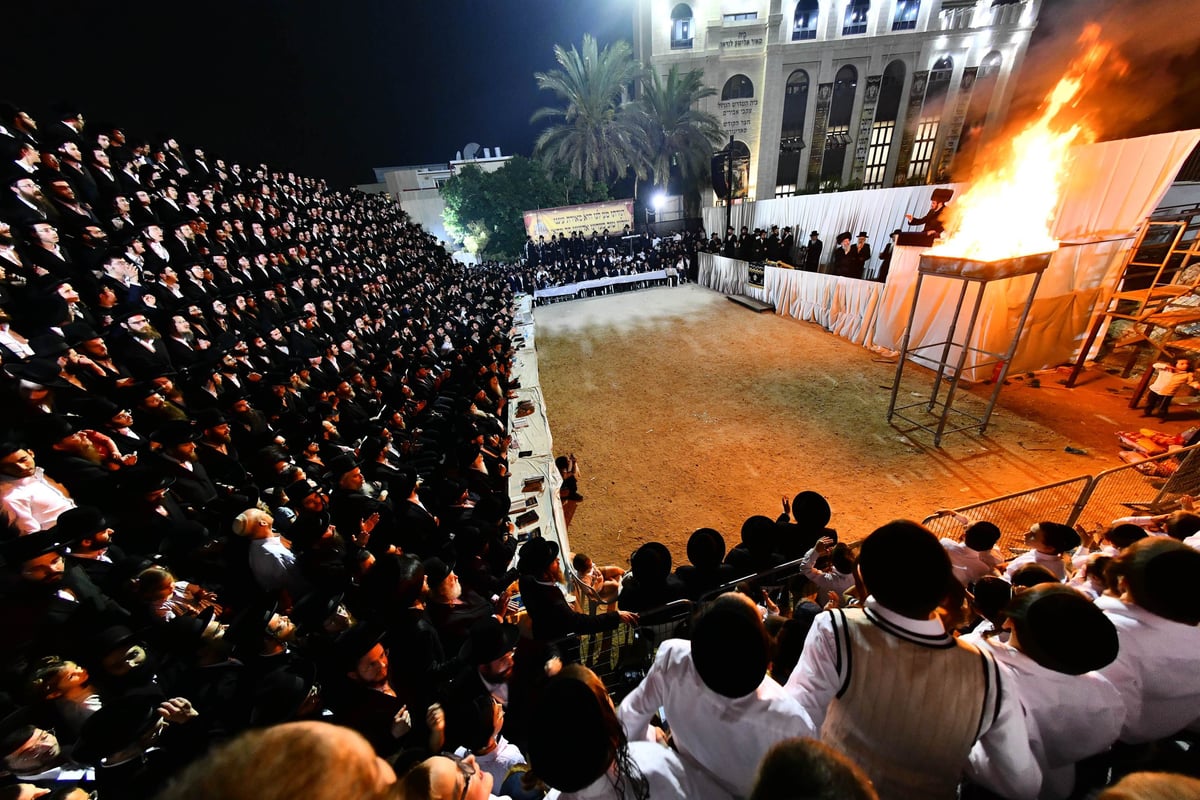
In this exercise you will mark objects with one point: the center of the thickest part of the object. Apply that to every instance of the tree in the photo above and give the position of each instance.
(598, 131)
(677, 134)
(484, 210)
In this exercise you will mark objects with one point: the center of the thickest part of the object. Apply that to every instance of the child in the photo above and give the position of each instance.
(605, 581)
(568, 468)
(1166, 384)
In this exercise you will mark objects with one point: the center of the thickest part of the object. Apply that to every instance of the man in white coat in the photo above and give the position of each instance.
(725, 712)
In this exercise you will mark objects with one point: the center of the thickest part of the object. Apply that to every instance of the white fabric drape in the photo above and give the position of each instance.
(1111, 188)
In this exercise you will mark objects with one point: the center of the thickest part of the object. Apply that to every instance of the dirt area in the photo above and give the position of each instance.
(686, 410)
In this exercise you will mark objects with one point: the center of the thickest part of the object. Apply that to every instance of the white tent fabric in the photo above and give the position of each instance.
(878, 212)
(1112, 187)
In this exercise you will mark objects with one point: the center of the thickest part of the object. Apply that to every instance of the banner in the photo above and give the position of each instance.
(612, 214)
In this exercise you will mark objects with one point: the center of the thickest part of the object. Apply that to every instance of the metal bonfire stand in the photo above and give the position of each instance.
(967, 272)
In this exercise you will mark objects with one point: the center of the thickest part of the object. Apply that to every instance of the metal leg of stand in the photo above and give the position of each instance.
(962, 360)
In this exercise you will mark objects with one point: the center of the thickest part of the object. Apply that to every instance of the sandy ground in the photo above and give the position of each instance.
(686, 410)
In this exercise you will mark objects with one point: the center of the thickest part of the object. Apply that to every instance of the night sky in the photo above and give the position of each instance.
(324, 88)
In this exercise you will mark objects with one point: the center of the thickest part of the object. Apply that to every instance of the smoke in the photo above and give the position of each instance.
(1150, 80)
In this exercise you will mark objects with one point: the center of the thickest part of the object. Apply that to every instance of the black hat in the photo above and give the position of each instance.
(814, 233)
(314, 608)
(209, 418)
(298, 490)
(862, 234)
(175, 432)
(706, 547)
(42, 371)
(1059, 536)
(182, 634)
(79, 331)
(48, 345)
(54, 427)
(651, 563)
(811, 510)
(31, 545)
(355, 643)
(942, 195)
(730, 646)
(342, 463)
(436, 571)
(1063, 631)
(143, 480)
(76, 524)
(281, 693)
(844, 236)
(115, 727)
(536, 556)
(109, 639)
(249, 628)
(487, 640)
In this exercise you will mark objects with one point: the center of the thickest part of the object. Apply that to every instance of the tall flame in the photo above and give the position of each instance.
(1009, 211)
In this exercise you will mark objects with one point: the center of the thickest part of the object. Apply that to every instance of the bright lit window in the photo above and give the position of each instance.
(906, 15)
(922, 152)
(856, 17)
(681, 27)
(804, 25)
(877, 154)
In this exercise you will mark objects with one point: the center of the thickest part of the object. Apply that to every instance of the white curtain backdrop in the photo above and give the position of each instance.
(1112, 187)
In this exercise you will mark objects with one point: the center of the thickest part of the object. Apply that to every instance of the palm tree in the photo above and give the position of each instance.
(596, 136)
(676, 132)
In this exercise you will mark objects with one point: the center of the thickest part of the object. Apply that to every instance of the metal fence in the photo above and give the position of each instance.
(1014, 513)
(1151, 486)
(622, 656)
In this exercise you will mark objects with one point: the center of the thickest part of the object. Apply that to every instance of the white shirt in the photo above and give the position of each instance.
(1053, 563)
(725, 737)
(1070, 717)
(832, 580)
(32, 504)
(1155, 671)
(669, 778)
(969, 565)
(1001, 759)
(272, 564)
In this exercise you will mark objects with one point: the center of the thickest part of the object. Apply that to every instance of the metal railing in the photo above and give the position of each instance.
(1153, 485)
(622, 656)
(1014, 513)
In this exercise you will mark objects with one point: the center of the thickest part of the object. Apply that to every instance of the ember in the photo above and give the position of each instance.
(1009, 210)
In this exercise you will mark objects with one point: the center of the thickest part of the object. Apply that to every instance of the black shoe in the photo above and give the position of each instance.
(576, 496)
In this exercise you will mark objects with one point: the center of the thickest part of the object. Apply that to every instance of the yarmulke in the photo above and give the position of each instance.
(1064, 631)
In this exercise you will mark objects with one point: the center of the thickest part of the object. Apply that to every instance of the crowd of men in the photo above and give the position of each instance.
(242, 413)
(253, 476)
(572, 259)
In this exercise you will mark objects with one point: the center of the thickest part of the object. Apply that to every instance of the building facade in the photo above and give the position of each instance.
(418, 188)
(846, 93)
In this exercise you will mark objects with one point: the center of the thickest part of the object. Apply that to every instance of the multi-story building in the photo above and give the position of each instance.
(849, 93)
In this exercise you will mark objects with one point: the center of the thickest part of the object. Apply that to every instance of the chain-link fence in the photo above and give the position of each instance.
(1014, 513)
(1152, 486)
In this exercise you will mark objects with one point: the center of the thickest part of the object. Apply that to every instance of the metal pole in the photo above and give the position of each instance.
(728, 183)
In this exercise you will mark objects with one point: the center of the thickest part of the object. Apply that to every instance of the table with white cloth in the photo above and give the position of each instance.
(531, 451)
(572, 289)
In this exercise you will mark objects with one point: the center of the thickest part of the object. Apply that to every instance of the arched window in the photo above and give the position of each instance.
(971, 139)
(738, 87)
(804, 25)
(990, 66)
(837, 134)
(906, 15)
(883, 131)
(791, 133)
(681, 27)
(931, 118)
(856, 17)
